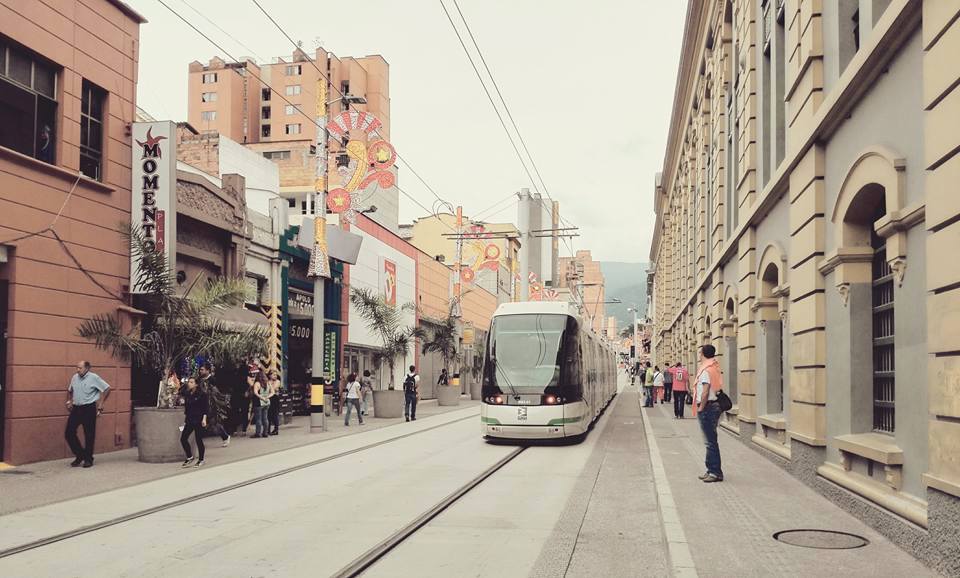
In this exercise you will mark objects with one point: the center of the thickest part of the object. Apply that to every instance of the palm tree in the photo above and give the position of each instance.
(384, 320)
(177, 327)
(443, 339)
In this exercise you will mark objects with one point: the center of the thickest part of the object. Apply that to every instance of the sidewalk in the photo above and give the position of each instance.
(729, 526)
(42, 483)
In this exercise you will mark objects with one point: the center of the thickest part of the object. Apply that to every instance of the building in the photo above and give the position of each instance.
(67, 87)
(810, 174)
(271, 108)
(582, 275)
(489, 249)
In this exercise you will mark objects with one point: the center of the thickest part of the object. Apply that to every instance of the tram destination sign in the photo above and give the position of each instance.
(153, 187)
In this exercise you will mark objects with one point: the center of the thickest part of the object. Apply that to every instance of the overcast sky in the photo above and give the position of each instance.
(589, 83)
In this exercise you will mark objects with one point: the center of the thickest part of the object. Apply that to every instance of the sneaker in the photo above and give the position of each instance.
(712, 478)
(200, 463)
(226, 442)
(88, 464)
(76, 463)
(187, 462)
(703, 476)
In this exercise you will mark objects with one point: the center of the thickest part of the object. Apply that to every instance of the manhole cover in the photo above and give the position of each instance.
(821, 539)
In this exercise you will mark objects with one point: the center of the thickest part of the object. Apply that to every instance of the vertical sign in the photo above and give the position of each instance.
(389, 282)
(330, 355)
(153, 208)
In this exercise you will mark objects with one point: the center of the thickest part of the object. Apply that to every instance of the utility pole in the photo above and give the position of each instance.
(319, 268)
(525, 243)
(456, 310)
(555, 247)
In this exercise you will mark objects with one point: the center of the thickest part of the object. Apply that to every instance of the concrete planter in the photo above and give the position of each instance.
(475, 391)
(158, 434)
(448, 395)
(388, 403)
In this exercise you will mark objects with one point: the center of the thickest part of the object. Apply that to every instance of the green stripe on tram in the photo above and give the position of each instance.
(490, 420)
(564, 420)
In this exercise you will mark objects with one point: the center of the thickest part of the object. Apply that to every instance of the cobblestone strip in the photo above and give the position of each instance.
(680, 558)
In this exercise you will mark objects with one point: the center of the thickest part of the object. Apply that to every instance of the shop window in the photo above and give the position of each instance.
(91, 130)
(28, 105)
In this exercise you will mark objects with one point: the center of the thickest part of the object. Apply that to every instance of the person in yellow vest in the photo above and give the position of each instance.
(709, 382)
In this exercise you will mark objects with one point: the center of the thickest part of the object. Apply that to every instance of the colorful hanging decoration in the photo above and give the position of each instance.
(367, 163)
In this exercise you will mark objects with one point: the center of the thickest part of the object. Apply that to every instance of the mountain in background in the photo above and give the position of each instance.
(628, 283)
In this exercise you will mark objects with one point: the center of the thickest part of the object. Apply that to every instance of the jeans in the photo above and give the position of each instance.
(351, 404)
(667, 390)
(709, 419)
(260, 419)
(648, 392)
(410, 406)
(85, 415)
(274, 413)
(679, 400)
(365, 401)
(197, 430)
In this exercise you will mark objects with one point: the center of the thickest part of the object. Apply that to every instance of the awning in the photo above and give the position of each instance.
(240, 318)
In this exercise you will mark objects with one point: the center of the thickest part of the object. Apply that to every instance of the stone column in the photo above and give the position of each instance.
(747, 330)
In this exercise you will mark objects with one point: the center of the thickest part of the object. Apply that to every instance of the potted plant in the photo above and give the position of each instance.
(443, 339)
(177, 327)
(384, 320)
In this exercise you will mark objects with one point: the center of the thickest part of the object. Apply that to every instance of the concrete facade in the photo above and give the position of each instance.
(582, 274)
(793, 234)
(50, 285)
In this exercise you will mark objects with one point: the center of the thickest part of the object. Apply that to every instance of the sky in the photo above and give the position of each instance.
(590, 85)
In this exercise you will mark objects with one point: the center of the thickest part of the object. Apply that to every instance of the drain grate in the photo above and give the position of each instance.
(821, 539)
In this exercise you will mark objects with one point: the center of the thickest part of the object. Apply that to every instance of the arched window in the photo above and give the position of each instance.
(884, 405)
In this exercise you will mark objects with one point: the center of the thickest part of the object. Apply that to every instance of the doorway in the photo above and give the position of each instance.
(4, 288)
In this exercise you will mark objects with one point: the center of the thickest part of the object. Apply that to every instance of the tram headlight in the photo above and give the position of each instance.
(494, 399)
(552, 400)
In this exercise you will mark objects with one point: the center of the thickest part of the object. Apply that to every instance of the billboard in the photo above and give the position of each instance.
(153, 207)
(389, 282)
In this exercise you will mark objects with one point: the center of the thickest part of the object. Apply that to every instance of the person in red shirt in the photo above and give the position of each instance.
(681, 380)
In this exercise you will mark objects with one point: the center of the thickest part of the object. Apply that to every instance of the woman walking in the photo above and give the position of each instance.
(353, 399)
(261, 405)
(366, 390)
(274, 385)
(658, 384)
(197, 405)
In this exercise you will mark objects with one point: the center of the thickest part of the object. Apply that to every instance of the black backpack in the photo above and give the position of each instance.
(410, 384)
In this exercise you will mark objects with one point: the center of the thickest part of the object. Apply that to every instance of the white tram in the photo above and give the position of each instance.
(545, 373)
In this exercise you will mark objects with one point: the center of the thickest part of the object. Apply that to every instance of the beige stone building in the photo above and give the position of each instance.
(806, 215)
(243, 102)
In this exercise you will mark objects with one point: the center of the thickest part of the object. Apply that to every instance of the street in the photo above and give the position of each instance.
(559, 510)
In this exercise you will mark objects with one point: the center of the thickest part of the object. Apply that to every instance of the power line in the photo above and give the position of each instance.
(217, 26)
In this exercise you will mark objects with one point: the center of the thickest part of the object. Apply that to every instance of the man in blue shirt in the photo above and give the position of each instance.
(85, 398)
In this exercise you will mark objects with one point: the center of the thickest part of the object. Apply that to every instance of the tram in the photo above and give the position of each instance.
(545, 373)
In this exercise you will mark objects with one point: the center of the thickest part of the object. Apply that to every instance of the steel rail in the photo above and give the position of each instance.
(208, 494)
(371, 556)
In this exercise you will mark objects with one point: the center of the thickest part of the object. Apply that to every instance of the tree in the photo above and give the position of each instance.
(384, 320)
(177, 327)
(443, 339)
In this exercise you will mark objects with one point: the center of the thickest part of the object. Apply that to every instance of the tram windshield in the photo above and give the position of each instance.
(525, 352)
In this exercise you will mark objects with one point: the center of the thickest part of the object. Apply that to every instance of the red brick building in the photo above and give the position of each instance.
(68, 73)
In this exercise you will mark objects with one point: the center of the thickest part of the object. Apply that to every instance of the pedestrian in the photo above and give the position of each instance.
(411, 393)
(86, 395)
(353, 391)
(366, 390)
(240, 401)
(219, 414)
(646, 378)
(667, 383)
(657, 383)
(196, 407)
(709, 382)
(443, 380)
(680, 379)
(261, 404)
(275, 385)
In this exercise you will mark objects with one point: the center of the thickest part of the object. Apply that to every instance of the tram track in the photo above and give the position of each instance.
(90, 528)
(362, 563)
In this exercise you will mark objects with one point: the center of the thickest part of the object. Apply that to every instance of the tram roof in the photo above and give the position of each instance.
(542, 307)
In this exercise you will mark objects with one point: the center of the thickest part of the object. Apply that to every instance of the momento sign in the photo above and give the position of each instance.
(153, 187)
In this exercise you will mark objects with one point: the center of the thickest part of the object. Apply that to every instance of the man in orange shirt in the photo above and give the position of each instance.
(709, 381)
(681, 377)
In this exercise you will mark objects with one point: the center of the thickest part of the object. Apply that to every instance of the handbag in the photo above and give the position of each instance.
(724, 401)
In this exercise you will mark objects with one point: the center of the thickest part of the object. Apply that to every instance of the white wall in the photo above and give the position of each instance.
(367, 274)
(262, 175)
